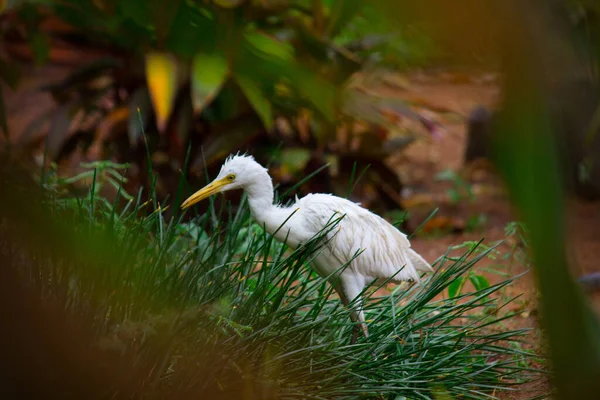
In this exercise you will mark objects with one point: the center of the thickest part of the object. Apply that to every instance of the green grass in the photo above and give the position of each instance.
(218, 309)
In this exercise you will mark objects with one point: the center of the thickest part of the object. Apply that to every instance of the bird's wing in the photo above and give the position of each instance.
(384, 251)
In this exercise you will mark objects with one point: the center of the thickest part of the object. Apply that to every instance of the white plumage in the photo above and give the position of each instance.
(383, 251)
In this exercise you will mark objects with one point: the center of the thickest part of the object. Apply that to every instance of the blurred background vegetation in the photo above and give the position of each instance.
(210, 79)
(149, 97)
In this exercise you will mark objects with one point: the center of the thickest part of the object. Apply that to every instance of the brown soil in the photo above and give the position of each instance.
(420, 163)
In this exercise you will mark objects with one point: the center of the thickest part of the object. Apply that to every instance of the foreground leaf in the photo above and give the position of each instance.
(526, 153)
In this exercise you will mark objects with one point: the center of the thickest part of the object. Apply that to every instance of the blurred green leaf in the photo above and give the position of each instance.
(526, 152)
(162, 77)
(257, 99)
(209, 73)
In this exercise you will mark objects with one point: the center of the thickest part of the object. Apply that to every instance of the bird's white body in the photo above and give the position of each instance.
(383, 251)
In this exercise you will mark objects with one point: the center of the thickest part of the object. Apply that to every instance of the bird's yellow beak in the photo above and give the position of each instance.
(206, 191)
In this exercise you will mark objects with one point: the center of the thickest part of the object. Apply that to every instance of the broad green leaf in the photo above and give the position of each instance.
(161, 75)
(257, 99)
(209, 73)
(455, 287)
(479, 282)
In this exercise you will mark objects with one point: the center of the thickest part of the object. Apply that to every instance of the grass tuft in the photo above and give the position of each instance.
(217, 308)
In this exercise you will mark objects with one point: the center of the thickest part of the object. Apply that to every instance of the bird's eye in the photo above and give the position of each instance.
(231, 177)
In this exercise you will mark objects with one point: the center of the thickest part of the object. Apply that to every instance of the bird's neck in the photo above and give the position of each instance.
(260, 199)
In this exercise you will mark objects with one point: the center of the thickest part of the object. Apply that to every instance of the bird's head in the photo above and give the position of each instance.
(237, 172)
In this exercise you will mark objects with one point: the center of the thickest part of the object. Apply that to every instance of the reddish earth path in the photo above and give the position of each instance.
(420, 163)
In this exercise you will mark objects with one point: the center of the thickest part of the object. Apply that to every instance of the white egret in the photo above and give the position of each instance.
(386, 252)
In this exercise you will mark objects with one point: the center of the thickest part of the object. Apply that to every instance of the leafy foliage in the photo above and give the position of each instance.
(215, 77)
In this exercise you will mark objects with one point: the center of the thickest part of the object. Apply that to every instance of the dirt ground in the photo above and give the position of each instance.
(420, 164)
(456, 95)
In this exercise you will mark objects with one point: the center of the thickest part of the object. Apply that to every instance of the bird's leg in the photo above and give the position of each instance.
(352, 291)
(361, 326)
(349, 290)
(358, 327)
